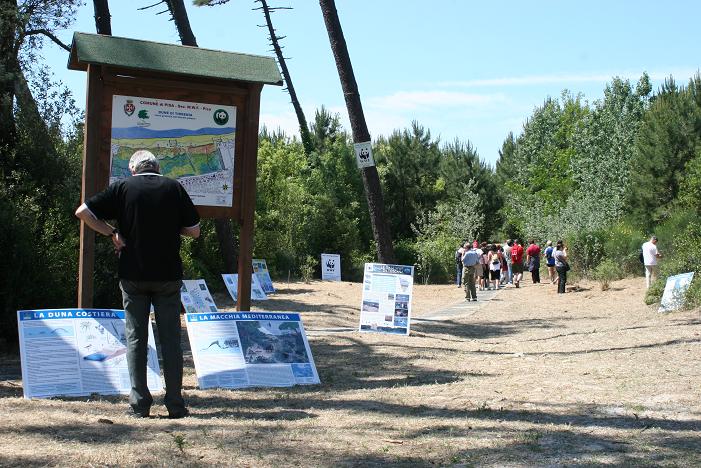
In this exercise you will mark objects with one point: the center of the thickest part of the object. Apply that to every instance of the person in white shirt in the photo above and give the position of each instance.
(650, 256)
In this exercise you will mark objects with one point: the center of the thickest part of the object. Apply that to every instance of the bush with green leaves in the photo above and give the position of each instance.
(307, 268)
(606, 272)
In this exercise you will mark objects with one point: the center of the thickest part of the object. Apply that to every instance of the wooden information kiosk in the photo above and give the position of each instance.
(196, 109)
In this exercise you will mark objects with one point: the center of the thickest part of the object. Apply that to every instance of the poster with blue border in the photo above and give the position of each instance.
(250, 349)
(195, 297)
(674, 295)
(386, 302)
(75, 352)
(260, 269)
(231, 280)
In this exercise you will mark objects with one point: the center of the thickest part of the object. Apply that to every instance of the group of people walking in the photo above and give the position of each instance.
(494, 265)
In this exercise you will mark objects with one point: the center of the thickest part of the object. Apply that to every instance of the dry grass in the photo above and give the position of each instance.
(586, 378)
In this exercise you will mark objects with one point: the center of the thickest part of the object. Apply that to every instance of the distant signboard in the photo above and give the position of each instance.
(250, 349)
(75, 352)
(330, 267)
(674, 294)
(260, 269)
(196, 297)
(232, 283)
(387, 294)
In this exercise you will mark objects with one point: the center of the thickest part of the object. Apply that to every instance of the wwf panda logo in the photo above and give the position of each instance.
(330, 264)
(364, 154)
(221, 116)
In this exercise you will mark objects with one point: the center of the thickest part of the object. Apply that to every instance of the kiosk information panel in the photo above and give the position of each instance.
(194, 143)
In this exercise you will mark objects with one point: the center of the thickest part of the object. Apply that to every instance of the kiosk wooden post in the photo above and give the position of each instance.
(126, 67)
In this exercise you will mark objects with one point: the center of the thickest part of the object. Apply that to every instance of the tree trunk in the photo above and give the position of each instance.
(303, 127)
(103, 23)
(223, 228)
(9, 67)
(182, 22)
(371, 180)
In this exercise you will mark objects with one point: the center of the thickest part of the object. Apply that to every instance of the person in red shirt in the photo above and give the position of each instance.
(533, 261)
(517, 261)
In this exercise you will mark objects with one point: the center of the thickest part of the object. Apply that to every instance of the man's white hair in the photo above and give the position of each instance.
(143, 160)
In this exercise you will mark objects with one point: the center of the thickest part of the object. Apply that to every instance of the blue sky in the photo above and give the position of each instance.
(462, 69)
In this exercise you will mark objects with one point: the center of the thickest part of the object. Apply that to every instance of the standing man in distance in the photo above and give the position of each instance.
(152, 212)
(508, 245)
(533, 260)
(469, 259)
(458, 264)
(517, 261)
(650, 256)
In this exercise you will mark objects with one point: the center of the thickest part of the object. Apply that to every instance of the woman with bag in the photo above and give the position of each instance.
(561, 266)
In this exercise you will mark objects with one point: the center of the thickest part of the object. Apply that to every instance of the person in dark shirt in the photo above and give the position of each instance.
(151, 212)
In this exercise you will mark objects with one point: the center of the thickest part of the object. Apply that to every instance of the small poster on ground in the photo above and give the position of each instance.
(260, 269)
(196, 298)
(232, 283)
(386, 303)
(250, 349)
(674, 294)
(74, 352)
(330, 267)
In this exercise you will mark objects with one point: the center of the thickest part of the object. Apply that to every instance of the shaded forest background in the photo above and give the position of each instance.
(601, 175)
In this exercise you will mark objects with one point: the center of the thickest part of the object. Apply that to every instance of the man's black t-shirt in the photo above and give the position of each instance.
(150, 211)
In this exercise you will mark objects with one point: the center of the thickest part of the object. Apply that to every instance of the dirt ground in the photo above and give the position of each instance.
(530, 378)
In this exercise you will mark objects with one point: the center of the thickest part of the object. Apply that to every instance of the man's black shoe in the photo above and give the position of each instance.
(180, 414)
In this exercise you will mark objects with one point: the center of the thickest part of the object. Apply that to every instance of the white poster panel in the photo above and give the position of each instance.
(195, 297)
(232, 282)
(250, 349)
(74, 352)
(363, 154)
(386, 303)
(260, 269)
(674, 294)
(330, 267)
(194, 143)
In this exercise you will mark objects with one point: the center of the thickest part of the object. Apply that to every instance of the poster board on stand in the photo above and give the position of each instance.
(196, 297)
(387, 295)
(232, 280)
(674, 295)
(250, 349)
(330, 267)
(260, 269)
(78, 352)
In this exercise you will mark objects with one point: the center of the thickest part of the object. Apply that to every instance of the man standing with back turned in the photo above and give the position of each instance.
(650, 256)
(469, 259)
(152, 212)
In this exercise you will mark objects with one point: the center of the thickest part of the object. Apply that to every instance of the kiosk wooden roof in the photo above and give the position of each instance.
(196, 62)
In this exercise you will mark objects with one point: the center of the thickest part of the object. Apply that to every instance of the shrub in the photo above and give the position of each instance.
(623, 244)
(307, 268)
(585, 250)
(606, 272)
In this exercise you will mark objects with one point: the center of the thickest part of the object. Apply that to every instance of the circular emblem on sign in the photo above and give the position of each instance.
(221, 116)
